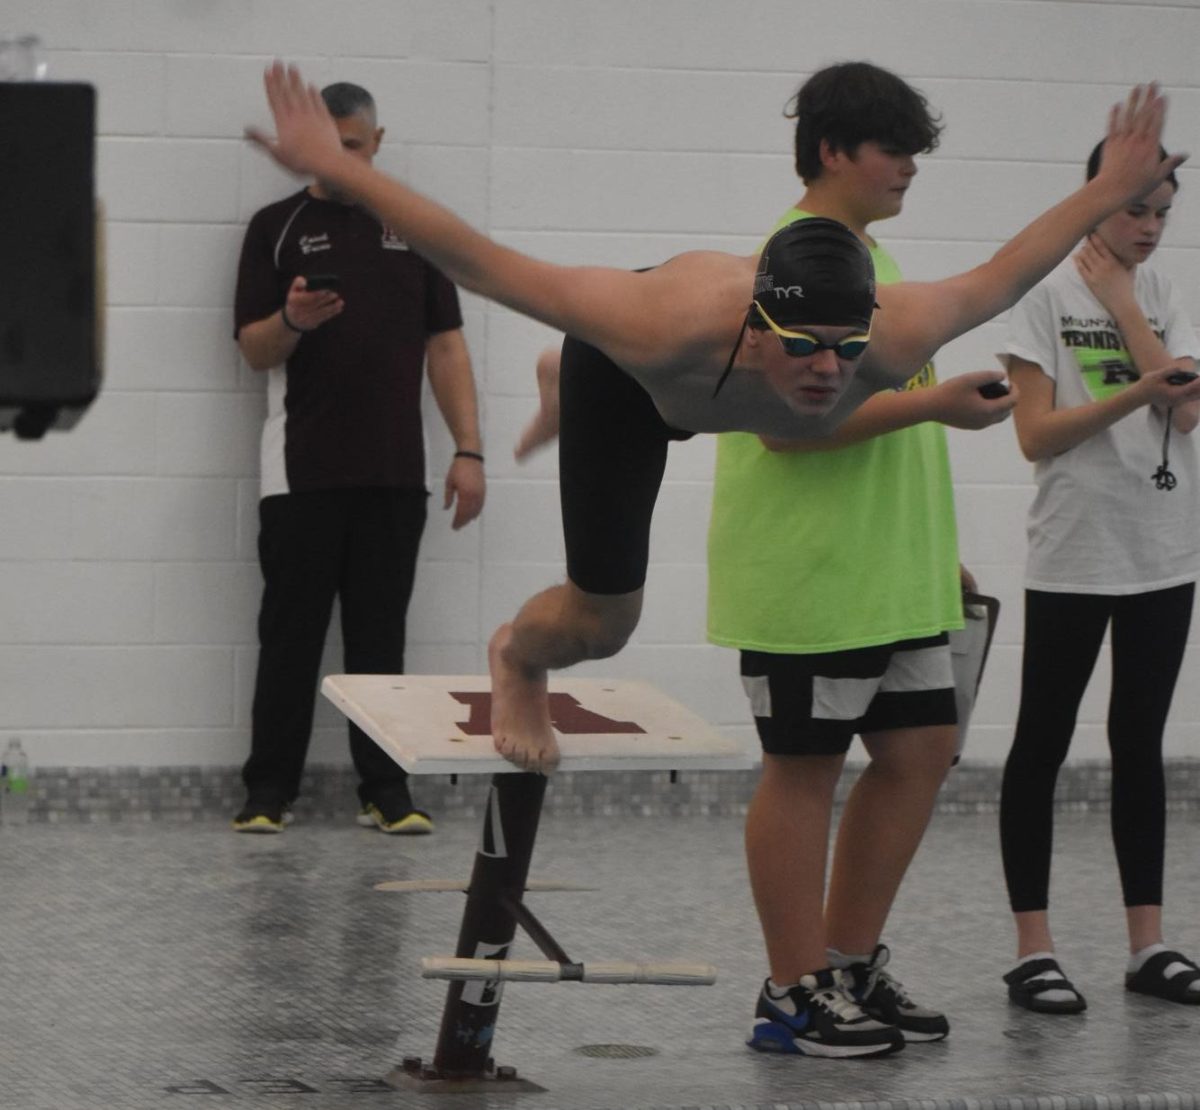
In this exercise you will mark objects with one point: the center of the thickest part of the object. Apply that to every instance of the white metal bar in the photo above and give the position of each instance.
(439, 886)
(549, 971)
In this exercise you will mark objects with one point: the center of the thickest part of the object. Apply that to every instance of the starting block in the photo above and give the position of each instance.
(440, 724)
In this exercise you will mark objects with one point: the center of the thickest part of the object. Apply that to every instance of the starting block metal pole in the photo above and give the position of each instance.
(440, 724)
(498, 878)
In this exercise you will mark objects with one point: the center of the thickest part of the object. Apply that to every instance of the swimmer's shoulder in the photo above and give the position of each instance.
(707, 293)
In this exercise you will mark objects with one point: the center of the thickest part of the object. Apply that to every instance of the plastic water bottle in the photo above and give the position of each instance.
(21, 58)
(14, 775)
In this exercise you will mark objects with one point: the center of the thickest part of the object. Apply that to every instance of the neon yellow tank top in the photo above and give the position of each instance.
(833, 550)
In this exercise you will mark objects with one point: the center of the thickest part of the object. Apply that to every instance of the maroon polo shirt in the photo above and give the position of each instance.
(352, 402)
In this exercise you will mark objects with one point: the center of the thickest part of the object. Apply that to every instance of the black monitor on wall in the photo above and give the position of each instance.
(50, 295)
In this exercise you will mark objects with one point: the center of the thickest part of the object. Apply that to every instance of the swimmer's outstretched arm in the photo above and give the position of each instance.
(617, 310)
(955, 402)
(917, 318)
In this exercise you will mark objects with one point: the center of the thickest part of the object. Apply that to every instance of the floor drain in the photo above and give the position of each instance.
(616, 1051)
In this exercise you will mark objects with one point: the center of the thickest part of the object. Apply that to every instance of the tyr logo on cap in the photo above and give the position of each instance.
(765, 283)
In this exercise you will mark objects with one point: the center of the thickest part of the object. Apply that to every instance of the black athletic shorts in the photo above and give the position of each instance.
(612, 450)
(816, 704)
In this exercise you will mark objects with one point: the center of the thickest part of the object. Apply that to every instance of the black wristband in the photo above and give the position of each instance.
(469, 455)
(288, 324)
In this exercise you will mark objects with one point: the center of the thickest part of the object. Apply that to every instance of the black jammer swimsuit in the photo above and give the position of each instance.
(612, 451)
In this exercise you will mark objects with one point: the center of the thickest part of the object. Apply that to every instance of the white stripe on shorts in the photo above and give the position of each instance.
(846, 699)
(929, 668)
(842, 699)
(758, 690)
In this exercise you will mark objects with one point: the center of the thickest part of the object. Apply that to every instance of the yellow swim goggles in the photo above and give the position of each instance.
(800, 344)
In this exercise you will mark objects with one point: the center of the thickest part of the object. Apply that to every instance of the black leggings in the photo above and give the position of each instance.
(1062, 639)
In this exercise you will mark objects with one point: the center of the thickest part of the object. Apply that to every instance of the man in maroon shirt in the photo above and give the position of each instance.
(344, 318)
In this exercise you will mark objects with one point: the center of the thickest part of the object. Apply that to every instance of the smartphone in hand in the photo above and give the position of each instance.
(315, 283)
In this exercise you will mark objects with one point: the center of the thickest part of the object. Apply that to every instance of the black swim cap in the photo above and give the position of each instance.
(816, 271)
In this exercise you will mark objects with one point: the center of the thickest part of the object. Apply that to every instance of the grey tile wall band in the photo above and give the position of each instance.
(194, 793)
(1162, 1101)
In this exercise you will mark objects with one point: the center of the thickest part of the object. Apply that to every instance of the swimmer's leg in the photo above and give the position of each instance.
(542, 430)
(612, 454)
(556, 628)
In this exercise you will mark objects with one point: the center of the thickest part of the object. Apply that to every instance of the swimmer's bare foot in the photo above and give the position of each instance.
(521, 728)
(543, 428)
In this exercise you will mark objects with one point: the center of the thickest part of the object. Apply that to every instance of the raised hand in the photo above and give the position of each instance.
(1132, 162)
(306, 138)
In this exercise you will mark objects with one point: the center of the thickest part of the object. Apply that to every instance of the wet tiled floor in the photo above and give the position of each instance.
(180, 965)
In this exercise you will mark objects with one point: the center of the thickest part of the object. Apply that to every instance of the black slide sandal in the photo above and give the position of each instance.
(1151, 979)
(1027, 984)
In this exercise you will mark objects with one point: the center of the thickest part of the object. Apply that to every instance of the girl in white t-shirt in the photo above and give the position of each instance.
(1103, 356)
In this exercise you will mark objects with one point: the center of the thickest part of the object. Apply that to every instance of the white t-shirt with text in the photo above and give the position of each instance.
(1098, 524)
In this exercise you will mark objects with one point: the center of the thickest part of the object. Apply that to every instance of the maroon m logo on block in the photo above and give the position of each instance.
(566, 714)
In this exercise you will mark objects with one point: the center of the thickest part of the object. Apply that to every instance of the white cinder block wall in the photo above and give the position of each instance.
(617, 132)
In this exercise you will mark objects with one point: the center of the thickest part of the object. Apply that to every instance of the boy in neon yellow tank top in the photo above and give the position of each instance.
(833, 566)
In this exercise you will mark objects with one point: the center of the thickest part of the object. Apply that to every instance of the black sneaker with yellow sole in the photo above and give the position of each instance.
(263, 815)
(397, 817)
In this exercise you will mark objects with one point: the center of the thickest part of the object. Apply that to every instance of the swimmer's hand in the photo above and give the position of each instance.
(961, 405)
(307, 139)
(542, 430)
(1132, 164)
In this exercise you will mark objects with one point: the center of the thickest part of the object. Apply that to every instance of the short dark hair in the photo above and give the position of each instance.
(344, 99)
(852, 102)
(1093, 164)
